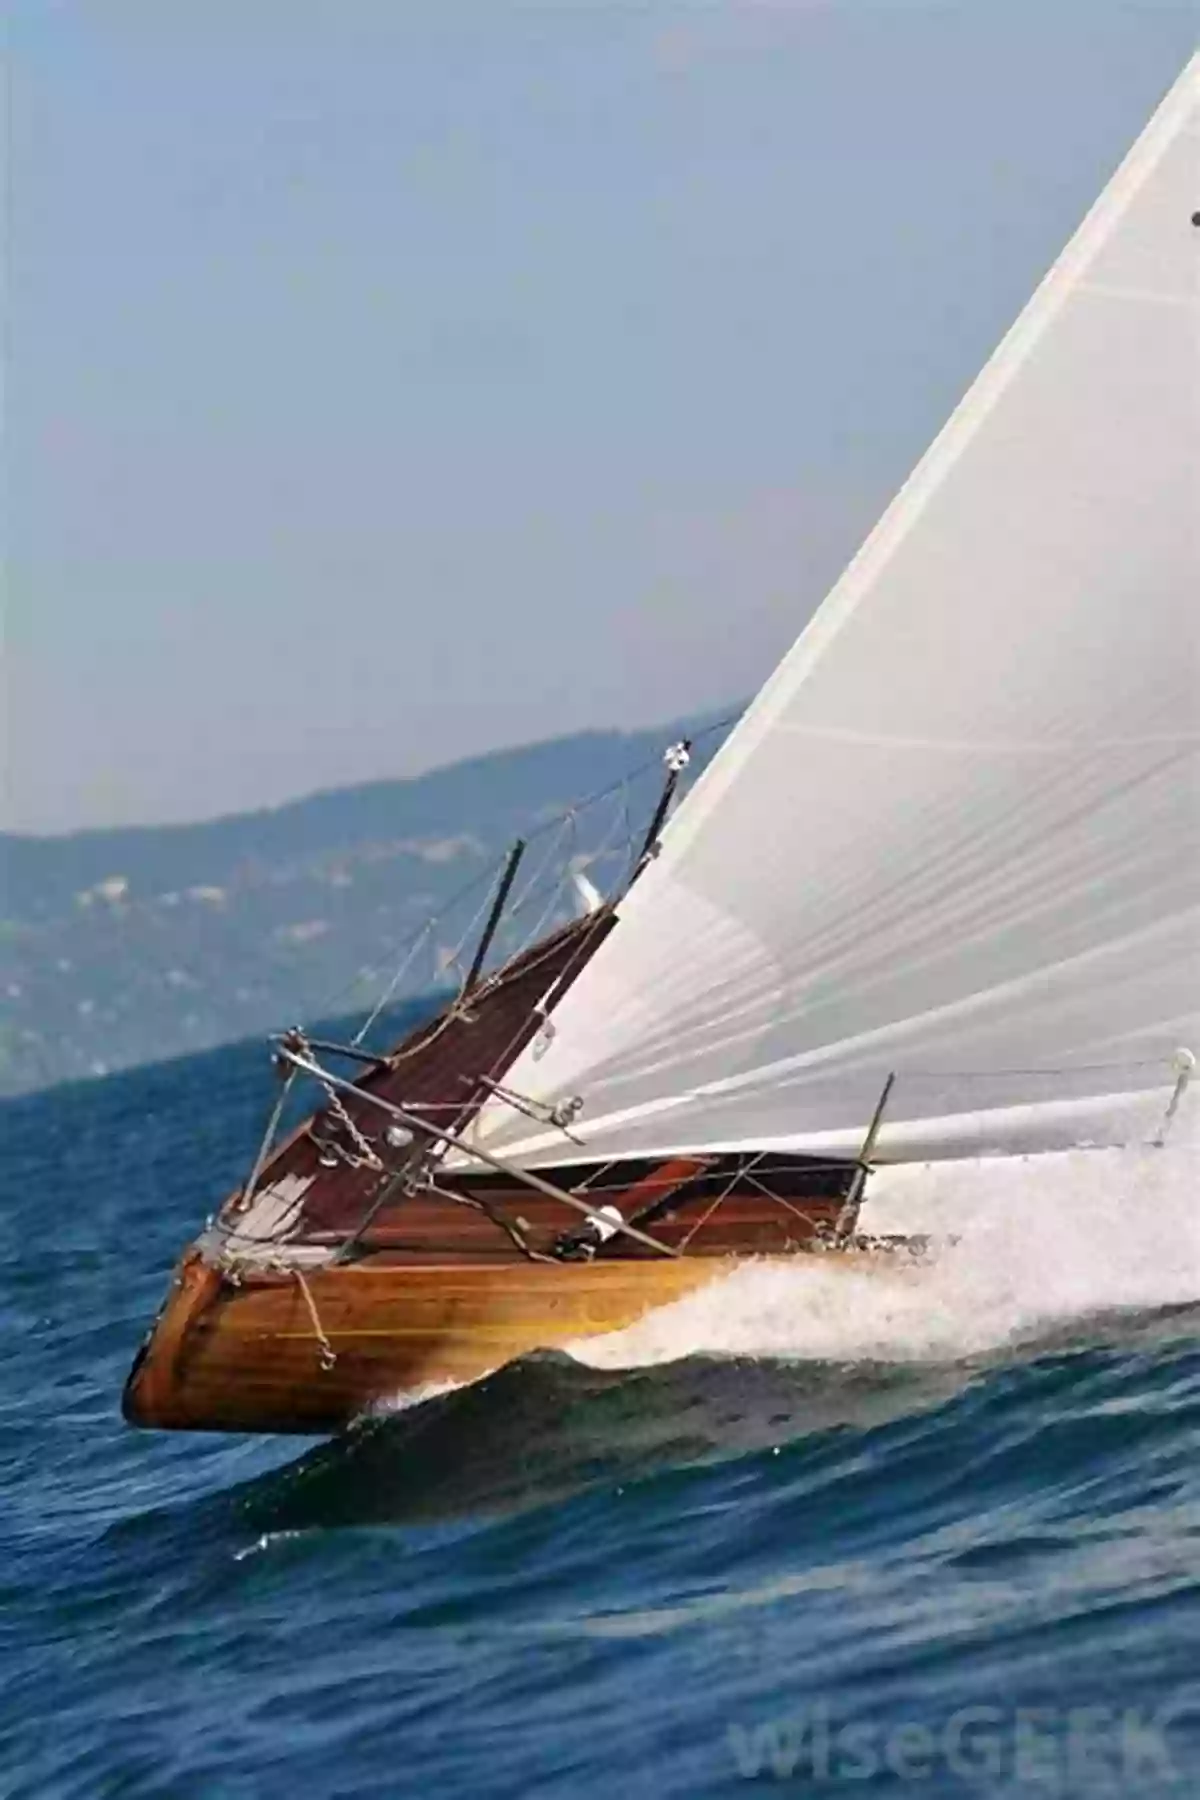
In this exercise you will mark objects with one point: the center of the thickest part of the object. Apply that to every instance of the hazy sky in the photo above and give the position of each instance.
(393, 379)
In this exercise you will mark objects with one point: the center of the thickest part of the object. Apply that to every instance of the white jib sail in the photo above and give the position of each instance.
(957, 835)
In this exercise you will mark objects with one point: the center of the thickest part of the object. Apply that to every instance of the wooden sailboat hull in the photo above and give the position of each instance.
(247, 1356)
(352, 1269)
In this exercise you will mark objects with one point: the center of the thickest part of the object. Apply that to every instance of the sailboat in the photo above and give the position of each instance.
(937, 896)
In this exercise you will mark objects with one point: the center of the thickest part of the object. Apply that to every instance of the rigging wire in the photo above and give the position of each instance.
(621, 786)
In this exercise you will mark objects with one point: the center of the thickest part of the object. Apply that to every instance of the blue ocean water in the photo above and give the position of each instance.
(821, 1570)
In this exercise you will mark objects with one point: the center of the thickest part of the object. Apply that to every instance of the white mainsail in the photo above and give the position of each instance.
(957, 835)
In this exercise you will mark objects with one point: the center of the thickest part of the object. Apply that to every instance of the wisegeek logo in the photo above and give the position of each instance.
(1077, 1749)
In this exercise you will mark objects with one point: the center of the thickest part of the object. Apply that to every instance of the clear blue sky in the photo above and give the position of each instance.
(394, 379)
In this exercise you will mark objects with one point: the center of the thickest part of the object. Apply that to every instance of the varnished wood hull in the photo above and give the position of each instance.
(246, 1357)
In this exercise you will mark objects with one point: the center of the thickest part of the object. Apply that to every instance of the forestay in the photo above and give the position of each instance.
(958, 832)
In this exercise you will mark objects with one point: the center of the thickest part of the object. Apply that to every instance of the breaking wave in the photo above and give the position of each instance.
(1020, 1248)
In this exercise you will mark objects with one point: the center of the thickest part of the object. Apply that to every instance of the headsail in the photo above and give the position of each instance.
(958, 832)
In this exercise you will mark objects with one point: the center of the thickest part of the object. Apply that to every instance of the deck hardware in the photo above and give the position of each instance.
(844, 1223)
(527, 1176)
(1183, 1064)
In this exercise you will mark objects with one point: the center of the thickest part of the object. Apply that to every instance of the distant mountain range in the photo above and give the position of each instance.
(129, 945)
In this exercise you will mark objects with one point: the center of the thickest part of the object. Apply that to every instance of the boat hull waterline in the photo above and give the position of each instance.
(246, 1354)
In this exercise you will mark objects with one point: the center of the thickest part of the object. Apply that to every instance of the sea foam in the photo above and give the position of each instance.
(1022, 1246)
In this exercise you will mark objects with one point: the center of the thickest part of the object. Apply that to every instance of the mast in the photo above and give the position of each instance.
(493, 918)
(675, 760)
